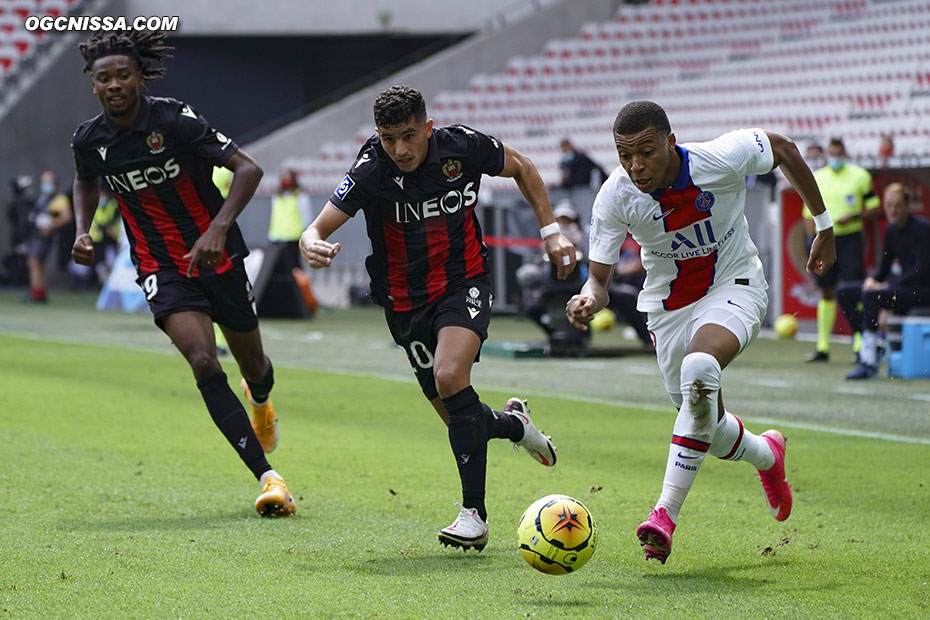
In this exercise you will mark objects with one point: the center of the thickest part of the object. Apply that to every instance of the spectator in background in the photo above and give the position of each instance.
(578, 169)
(628, 278)
(51, 211)
(290, 216)
(901, 282)
(105, 231)
(850, 200)
(885, 150)
(814, 156)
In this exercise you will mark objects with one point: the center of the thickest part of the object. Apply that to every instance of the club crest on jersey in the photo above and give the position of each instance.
(452, 169)
(156, 143)
(704, 201)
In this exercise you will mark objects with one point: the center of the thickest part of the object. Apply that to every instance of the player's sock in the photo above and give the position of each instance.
(826, 317)
(468, 436)
(259, 391)
(732, 442)
(269, 474)
(700, 387)
(868, 354)
(502, 425)
(233, 422)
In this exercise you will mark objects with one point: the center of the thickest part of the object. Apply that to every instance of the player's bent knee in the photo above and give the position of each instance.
(449, 380)
(204, 364)
(699, 372)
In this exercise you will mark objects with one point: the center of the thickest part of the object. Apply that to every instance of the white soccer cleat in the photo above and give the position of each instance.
(536, 444)
(467, 531)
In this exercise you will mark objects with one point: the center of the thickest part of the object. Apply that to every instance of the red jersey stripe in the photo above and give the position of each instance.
(687, 442)
(474, 264)
(437, 243)
(166, 227)
(186, 191)
(695, 275)
(147, 263)
(396, 245)
(680, 202)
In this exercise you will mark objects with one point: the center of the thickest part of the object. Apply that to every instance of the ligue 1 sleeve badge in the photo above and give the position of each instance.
(156, 143)
(704, 201)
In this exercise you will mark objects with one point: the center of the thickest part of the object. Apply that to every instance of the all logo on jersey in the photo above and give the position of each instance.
(343, 190)
(452, 169)
(225, 141)
(704, 201)
(156, 143)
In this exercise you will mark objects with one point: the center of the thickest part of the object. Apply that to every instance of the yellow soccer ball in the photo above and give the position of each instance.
(786, 326)
(557, 535)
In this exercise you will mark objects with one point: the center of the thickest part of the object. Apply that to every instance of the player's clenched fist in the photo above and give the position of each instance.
(83, 250)
(580, 310)
(316, 252)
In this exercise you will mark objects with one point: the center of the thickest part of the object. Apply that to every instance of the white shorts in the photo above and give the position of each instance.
(736, 307)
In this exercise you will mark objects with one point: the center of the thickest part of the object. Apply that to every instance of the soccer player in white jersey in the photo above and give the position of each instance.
(705, 292)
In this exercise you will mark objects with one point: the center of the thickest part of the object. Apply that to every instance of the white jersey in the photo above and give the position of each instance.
(694, 235)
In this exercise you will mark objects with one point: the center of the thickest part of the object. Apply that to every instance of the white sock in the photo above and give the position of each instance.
(700, 386)
(732, 442)
(868, 352)
(269, 474)
(255, 402)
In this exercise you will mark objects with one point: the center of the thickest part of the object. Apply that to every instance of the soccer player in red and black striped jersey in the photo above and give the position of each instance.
(418, 187)
(157, 155)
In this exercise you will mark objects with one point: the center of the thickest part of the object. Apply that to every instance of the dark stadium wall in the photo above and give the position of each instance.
(248, 86)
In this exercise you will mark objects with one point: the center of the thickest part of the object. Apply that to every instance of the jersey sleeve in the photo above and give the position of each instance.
(204, 141)
(350, 195)
(608, 228)
(82, 166)
(487, 152)
(747, 151)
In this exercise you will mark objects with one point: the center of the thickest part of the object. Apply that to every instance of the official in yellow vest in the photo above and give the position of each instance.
(290, 216)
(851, 200)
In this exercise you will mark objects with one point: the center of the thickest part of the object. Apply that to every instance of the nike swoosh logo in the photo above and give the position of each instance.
(730, 301)
(656, 218)
(682, 456)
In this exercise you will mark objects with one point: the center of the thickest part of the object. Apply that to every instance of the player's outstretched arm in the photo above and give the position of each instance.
(522, 169)
(581, 308)
(788, 158)
(318, 252)
(86, 196)
(208, 249)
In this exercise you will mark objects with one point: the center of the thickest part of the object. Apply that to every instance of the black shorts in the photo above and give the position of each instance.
(227, 297)
(416, 330)
(848, 265)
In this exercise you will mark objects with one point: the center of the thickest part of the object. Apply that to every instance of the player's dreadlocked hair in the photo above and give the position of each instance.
(638, 116)
(146, 47)
(397, 104)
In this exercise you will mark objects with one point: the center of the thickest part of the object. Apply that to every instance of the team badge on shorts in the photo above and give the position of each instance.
(472, 302)
(704, 201)
(156, 143)
(452, 169)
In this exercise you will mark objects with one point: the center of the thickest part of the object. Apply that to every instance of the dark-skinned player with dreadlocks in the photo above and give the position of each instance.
(157, 155)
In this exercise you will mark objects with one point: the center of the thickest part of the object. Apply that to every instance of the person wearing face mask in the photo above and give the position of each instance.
(851, 200)
(51, 211)
(290, 215)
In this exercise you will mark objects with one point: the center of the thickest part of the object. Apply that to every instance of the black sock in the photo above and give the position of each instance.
(502, 425)
(232, 420)
(468, 435)
(262, 389)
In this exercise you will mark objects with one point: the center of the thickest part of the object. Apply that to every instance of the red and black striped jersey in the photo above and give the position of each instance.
(424, 233)
(160, 172)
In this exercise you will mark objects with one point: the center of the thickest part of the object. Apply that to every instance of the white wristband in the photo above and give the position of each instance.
(822, 221)
(549, 229)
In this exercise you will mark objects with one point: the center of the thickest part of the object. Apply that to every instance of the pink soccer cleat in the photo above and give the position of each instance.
(655, 535)
(774, 480)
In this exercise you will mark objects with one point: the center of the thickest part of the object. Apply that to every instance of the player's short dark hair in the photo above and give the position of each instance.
(837, 142)
(397, 104)
(146, 47)
(638, 116)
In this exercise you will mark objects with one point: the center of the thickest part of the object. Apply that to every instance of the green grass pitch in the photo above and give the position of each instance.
(119, 498)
